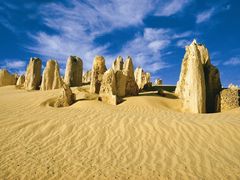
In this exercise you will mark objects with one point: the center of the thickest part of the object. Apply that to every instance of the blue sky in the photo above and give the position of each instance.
(153, 32)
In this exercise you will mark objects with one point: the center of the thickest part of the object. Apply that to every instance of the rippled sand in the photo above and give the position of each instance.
(145, 137)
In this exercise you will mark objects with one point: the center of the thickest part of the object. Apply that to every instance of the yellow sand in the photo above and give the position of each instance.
(145, 137)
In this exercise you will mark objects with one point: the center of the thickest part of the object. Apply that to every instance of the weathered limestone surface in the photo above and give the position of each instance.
(7, 78)
(20, 81)
(98, 70)
(87, 76)
(232, 86)
(108, 90)
(73, 72)
(142, 78)
(120, 83)
(158, 82)
(199, 83)
(230, 99)
(51, 78)
(33, 74)
(131, 85)
(67, 98)
(118, 64)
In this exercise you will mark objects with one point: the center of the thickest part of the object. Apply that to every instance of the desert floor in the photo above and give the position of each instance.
(145, 137)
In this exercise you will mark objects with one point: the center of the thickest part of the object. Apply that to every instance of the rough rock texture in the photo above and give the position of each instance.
(118, 64)
(120, 83)
(108, 90)
(6, 78)
(33, 74)
(73, 72)
(51, 78)
(230, 99)
(158, 82)
(232, 86)
(67, 98)
(199, 83)
(142, 78)
(87, 76)
(98, 70)
(131, 85)
(21, 80)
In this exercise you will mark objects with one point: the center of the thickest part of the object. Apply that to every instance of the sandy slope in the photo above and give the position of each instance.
(139, 139)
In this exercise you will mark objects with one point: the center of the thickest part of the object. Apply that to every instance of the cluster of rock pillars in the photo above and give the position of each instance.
(199, 84)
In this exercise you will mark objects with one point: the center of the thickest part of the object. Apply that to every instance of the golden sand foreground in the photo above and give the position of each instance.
(145, 137)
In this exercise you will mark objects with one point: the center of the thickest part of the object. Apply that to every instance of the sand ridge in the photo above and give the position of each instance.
(140, 138)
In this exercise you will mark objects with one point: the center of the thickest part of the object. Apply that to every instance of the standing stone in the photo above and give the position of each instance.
(108, 90)
(73, 72)
(98, 70)
(191, 86)
(120, 83)
(67, 98)
(51, 78)
(20, 81)
(158, 82)
(87, 76)
(230, 99)
(6, 78)
(131, 85)
(118, 64)
(142, 78)
(33, 74)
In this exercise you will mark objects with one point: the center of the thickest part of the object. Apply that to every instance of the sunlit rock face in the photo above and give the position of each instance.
(199, 83)
(142, 78)
(51, 78)
(7, 78)
(131, 85)
(87, 76)
(73, 72)
(21, 80)
(33, 74)
(98, 70)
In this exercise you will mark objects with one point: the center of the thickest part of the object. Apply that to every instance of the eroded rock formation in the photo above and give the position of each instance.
(51, 78)
(142, 78)
(7, 78)
(158, 82)
(118, 64)
(230, 99)
(87, 76)
(131, 85)
(199, 83)
(33, 74)
(21, 80)
(98, 70)
(73, 72)
(67, 98)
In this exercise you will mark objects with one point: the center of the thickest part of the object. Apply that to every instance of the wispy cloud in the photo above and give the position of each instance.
(13, 65)
(207, 14)
(169, 8)
(232, 61)
(183, 42)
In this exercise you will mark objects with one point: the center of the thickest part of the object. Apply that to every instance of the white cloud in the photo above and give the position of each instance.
(183, 42)
(204, 16)
(14, 66)
(232, 61)
(172, 7)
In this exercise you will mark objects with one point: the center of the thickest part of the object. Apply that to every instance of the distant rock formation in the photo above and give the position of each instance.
(108, 90)
(158, 82)
(73, 72)
(33, 74)
(87, 76)
(7, 78)
(142, 78)
(98, 70)
(131, 85)
(21, 80)
(67, 98)
(51, 78)
(118, 64)
(232, 86)
(199, 83)
(230, 99)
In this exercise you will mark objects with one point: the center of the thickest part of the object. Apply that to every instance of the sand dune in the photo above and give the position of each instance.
(145, 137)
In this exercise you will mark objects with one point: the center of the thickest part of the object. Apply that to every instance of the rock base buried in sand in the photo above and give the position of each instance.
(110, 99)
(230, 99)
(6, 78)
(67, 98)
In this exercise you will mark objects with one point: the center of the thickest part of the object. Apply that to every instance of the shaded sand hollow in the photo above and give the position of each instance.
(145, 137)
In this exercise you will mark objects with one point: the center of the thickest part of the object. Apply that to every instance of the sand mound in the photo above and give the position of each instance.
(140, 138)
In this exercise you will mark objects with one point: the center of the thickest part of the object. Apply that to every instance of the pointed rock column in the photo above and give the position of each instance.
(73, 72)
(33, 74)
(118, 64)
(98, 70)
(6, 78)
(20, 81)
(131, 85)
(51, 78)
